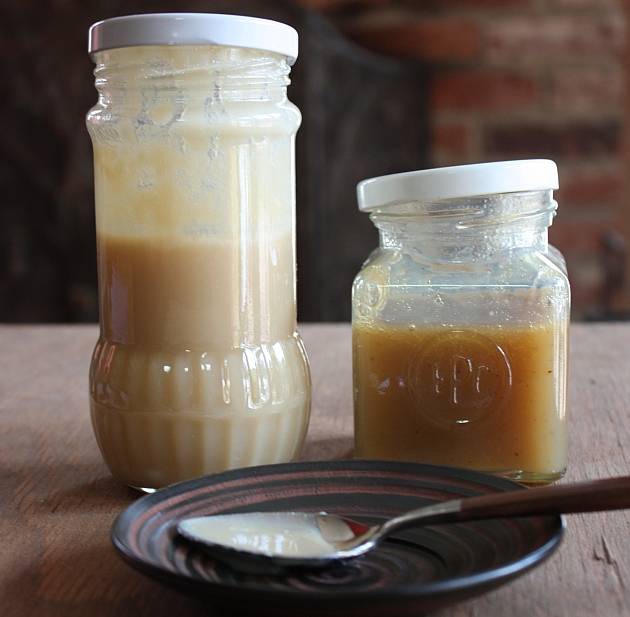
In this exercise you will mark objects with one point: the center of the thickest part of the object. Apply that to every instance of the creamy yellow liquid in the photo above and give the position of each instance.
(482, 397)
(202, 293)
(174, 392)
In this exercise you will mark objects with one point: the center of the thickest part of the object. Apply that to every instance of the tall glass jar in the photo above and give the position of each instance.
(460, 321)
(198, 367)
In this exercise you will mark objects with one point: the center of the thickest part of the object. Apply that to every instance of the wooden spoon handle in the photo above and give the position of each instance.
(592, 496)
(609, 494)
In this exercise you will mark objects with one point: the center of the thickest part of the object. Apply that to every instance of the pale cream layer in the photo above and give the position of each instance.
(163, 416)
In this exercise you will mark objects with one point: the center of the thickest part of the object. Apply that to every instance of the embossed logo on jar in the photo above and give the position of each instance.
(459, 377)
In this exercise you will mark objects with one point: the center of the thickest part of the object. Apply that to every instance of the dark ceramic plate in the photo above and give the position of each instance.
(415, 571)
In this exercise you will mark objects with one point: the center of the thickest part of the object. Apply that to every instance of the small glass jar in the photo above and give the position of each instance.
(460, 322)
(198, 367)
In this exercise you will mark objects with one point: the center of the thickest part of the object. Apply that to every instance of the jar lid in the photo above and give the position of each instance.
(194, 29)
(460, 181)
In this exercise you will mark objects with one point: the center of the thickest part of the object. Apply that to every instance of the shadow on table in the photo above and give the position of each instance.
(328, 449)
(104, 492)
(67, 487)
(79, 581)
(70, 488)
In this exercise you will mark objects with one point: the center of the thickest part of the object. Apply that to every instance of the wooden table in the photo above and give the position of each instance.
(57, 500)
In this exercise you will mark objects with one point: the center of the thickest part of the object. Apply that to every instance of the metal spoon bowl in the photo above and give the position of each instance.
(260, 540)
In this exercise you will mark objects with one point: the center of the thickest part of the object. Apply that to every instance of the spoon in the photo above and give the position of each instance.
(318, 539)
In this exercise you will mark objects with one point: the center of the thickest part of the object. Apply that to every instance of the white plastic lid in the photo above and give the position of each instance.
(194, 29)
(461, 181)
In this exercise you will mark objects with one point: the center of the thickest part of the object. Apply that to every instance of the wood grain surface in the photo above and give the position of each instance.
(57, 500)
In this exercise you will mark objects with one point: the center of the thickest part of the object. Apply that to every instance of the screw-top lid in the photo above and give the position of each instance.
(194, 29)
(430, 185)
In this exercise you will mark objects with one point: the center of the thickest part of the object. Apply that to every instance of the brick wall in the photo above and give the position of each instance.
(523, 79)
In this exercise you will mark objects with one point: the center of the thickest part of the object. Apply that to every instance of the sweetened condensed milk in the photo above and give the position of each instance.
(174, 395)
(198, 367)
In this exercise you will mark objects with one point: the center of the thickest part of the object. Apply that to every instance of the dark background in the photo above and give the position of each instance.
(384, 86)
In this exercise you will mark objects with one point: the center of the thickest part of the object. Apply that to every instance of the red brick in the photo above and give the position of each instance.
(450, 143)
(573, 141)
(595, 188)
(434, 39)
(331, 6)
(576, 5)
(472, 5)
(542, 39)
(587, 88)
(483, 90)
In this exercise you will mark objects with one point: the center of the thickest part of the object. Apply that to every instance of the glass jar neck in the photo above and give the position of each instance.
(216, 73)
(468, 230)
